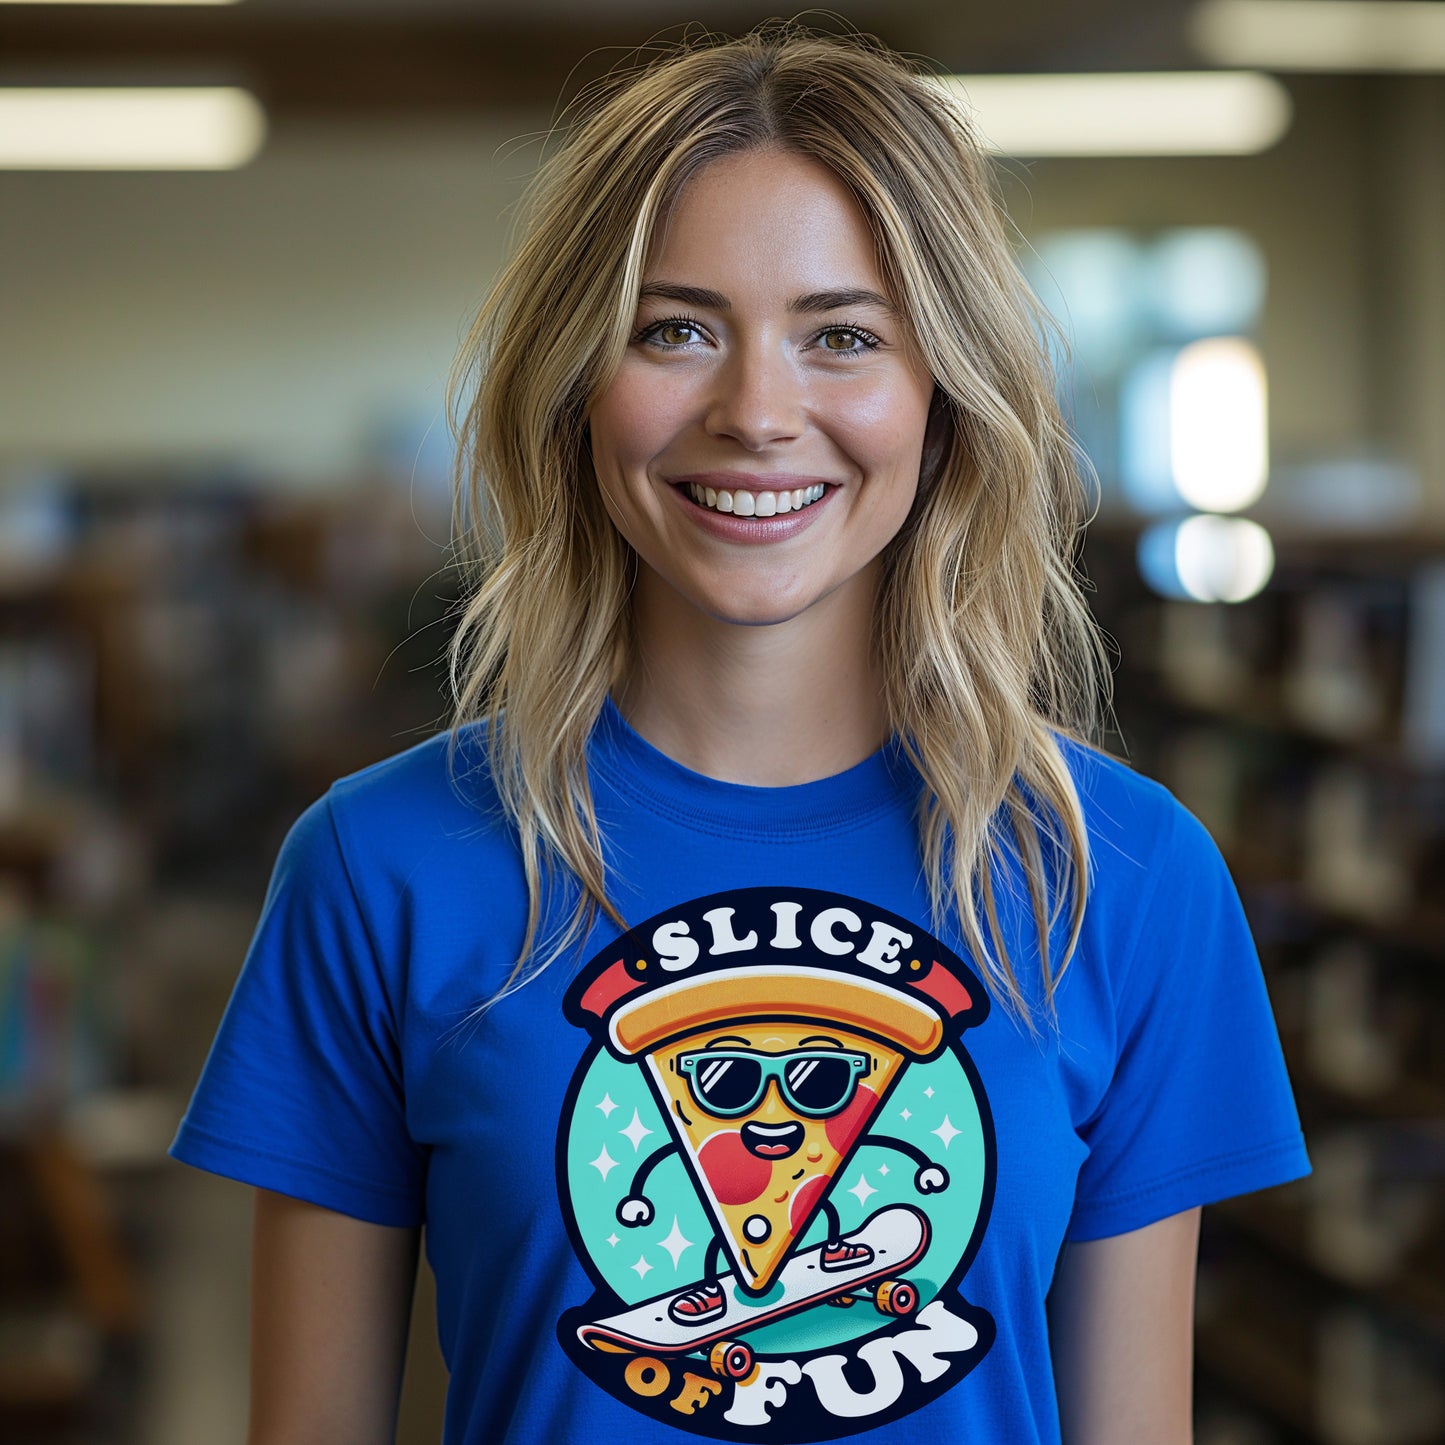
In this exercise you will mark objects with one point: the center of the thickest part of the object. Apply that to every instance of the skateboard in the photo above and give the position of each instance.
(897, 1235)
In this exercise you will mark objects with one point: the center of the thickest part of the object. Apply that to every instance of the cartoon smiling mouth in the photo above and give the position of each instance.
(773, 1141)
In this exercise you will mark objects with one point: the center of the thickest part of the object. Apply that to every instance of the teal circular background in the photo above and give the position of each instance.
(616, 1125)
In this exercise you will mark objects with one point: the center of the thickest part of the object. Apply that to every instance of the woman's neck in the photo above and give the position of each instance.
(769, 706)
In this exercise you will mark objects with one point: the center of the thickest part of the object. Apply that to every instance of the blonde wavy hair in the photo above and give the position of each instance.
(984, 637)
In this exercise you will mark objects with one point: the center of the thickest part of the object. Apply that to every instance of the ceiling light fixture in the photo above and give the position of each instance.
(129, 129)
(1126, 113)
(1325, 35)
(1218, 427)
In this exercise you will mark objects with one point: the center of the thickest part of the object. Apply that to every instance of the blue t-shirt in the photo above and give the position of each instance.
(651, 1177)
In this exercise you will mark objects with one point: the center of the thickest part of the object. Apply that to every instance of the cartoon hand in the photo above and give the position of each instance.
(635, 1210)
(931, 1179)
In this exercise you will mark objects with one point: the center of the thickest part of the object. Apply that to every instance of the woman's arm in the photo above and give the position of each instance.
(330, 1306)
(1121, 1320)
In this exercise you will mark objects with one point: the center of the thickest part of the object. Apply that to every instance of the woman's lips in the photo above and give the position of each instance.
(754, 502)
(774, 522)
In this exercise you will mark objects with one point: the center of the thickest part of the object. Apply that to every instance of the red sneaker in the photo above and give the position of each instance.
(694, 1306)
(841, 1255)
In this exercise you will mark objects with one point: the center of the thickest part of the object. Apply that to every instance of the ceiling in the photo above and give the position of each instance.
(346, 57)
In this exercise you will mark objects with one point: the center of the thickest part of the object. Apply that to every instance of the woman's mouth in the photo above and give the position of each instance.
(747, 503)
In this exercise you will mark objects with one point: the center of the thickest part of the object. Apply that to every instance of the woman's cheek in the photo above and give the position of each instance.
(650, 403)
(877, 421)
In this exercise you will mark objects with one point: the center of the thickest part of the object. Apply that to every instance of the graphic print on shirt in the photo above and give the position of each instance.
(776, 1163)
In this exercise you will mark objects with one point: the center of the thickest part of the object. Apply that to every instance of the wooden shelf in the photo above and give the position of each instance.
(1381, 748)
(1272, 1334)
(1414, 1296)
(1418, 931)
(1405, 1100)
(1253, 1367)
(31, 1384)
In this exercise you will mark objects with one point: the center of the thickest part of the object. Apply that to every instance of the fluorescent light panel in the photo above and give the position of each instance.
(1126, 114)
(124, 129)
(1326, 35)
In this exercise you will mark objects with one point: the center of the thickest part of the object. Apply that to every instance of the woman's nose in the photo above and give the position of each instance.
(757, 399)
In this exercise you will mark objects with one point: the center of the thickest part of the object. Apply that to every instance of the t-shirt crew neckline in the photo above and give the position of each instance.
(836, 804)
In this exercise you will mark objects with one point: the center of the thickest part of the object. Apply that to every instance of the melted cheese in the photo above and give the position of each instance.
(761, 1205)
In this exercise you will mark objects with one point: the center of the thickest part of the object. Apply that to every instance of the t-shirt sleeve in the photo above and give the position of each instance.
(1199, 1107)
(302, 1090)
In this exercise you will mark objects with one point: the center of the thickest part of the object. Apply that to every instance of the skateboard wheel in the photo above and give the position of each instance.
(896, 1297)
(731, 1359)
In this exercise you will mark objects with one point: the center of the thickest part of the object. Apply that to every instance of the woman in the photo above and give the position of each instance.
(767, 939)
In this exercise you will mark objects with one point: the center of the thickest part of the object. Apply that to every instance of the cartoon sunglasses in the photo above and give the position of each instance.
(816, 1083)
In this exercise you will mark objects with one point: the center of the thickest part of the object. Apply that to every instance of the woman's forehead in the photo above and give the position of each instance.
(764, 224)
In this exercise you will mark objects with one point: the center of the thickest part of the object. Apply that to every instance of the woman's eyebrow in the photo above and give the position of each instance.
(838, 299)
(689, 295)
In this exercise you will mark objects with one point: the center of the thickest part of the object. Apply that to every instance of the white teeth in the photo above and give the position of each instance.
(755, 504)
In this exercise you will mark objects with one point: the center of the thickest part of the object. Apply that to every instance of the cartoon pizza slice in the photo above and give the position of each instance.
(769, 1077)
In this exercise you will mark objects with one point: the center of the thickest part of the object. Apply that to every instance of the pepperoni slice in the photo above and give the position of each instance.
(844, 1128)
(736, 1176)
(805, 1201)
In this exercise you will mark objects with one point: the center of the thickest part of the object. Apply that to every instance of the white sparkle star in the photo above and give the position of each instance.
(604, 1163)
(862, 1189)
(676, 1242)
(642, 1267)
(607, 1106)
(905, 1114)
(946, 1132)
(613, 1240)
(883, 1170)
(636, 1131)
(928, 1092)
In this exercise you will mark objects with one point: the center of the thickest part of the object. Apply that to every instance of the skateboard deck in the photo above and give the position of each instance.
(897, 1235)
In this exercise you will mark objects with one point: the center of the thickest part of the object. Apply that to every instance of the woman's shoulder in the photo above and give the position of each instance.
(405, 806)
(447, 765)
(1131, 818)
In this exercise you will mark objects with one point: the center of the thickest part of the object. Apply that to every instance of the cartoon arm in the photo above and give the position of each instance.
(931, 1178)
(636, 1208)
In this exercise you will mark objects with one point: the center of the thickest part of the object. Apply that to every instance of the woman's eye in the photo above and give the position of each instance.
(671, 333)
(679, 332)
(847, 339)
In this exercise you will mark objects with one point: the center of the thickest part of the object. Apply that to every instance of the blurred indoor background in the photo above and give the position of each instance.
(224, 333)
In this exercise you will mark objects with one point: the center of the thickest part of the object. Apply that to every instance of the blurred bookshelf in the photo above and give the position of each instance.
(1306, 728)
(186, 660)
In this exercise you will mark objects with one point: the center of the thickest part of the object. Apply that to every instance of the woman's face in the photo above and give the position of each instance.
(761, 443)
